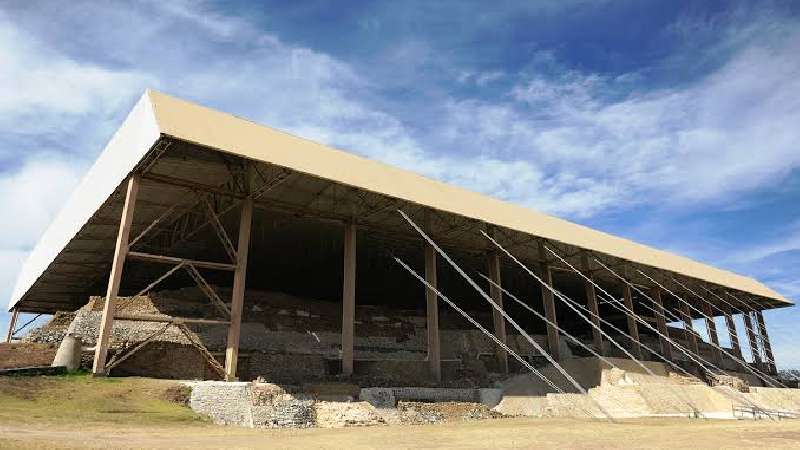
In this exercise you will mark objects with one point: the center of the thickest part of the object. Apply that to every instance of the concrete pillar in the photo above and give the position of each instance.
(661, 323)
(69, 353)
(239, 283)
(751, 338)
(348, 298)
(733, 335)
(765, 342)
(711, 326)
(12, 323)
(432, 303)
(493, 267)
(633, 326)
(591, 303)
(114, 279)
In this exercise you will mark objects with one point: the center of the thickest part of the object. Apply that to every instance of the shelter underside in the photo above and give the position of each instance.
(188, 193)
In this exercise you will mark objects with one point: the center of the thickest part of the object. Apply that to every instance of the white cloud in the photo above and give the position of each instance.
(31, 195)
(43, 92)
(730, 132)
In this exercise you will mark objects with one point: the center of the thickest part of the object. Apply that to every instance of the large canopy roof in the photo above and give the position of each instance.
(157, 117)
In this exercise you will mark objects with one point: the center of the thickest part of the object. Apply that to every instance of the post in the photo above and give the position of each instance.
(550, 312)
(114, 279)
(689, 329)
(548, 300)
(751, 338)
(661, 323)
(12, 323)
(432, 303)
(239, 283)
(493, 267)
(348, 298)
(733, 334)
(591, 303)
(765, 342)
(633, 327)
(711, 326)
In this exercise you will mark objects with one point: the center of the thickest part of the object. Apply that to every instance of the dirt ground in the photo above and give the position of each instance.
(508, 433)
(81, 412)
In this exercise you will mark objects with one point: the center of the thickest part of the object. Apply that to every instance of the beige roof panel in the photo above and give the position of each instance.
(225, 132)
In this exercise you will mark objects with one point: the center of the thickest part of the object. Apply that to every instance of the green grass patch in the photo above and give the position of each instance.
(83, 398)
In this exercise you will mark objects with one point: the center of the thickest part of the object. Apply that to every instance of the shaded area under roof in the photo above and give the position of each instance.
(157, 116)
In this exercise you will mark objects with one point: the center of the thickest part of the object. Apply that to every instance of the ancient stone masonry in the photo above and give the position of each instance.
(286, 339)
(292, 340)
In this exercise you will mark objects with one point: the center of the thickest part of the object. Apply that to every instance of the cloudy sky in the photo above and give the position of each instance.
(673, 123)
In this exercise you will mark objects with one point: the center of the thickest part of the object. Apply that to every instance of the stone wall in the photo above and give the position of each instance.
(267, 405)
(290, 340)
(251, 404)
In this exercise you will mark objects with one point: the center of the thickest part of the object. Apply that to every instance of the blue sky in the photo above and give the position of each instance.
(671, 123)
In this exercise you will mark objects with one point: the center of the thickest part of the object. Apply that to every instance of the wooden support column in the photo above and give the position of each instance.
(661, 323)
(733, 335)
(114, 279)
(751, 337)
(493, 267)
(591, 303)
(762, 326)
(689, 329)
(633, 326)
(432, 302)
(548, 299)
(12, 323)
(711, 326)
(239, 283)
(348, 298)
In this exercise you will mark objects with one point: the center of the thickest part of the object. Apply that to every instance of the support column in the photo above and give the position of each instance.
(711, 326)
(689, 329)
(591, 303)
(751, 338)
(548, 299)
(114, 279)
(762, 326)
(12, 323)
(493, 267)
(633, 327)
(239, 283)
(348, 298)
(432, 302)
(733, 335)
(661, 323)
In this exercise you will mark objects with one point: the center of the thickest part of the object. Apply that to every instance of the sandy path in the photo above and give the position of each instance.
(507, 433)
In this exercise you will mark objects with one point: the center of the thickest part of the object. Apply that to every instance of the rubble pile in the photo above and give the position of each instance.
(53, 331)
(426, 413)
(732, 382)
(346, 414)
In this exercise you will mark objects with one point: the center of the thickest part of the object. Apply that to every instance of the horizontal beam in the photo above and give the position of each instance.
(167, 319)
(140, 256)
(190, 185)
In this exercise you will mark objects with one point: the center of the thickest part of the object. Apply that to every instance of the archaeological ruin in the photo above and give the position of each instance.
(272, 273)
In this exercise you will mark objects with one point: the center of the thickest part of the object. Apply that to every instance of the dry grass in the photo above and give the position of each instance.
(83, 399)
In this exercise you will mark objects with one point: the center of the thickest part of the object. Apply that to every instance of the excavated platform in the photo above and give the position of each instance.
(629, 392)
